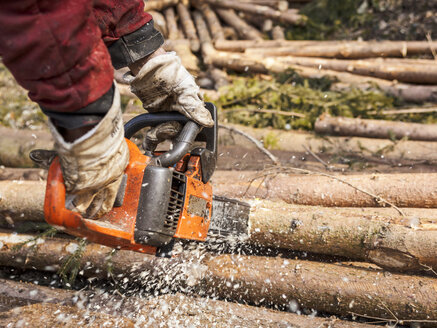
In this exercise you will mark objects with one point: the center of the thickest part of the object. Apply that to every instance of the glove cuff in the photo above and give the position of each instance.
(135, 46)
(97, 158)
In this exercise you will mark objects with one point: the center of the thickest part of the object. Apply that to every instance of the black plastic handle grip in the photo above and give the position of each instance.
(183, 142)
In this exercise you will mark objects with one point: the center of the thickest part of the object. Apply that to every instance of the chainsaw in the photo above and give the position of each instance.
(164, 196)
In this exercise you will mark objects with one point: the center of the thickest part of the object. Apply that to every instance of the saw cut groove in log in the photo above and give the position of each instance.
(243, 29)
(350, 50)
(251, 279)
(345, 126)
(188, 27)
(289, 17)
(243, 45)
(164, 309)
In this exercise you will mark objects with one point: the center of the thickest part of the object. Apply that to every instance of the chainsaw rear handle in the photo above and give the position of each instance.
(190, 133)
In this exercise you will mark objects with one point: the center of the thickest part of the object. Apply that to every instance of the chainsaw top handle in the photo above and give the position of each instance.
(191, 132)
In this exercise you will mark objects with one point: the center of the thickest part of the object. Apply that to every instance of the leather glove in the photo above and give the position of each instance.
(93, 165)
(163, 84)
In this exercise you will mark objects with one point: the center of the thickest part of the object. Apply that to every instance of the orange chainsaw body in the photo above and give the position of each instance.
(186, 215)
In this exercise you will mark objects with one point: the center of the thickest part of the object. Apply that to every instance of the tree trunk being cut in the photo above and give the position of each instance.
(328, 288)
(345, 126)
(381, 236)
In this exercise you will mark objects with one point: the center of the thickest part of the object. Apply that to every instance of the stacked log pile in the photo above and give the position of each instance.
(323, 249)
(248, 36)
(360, 247)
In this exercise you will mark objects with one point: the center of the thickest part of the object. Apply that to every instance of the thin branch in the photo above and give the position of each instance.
(405, 111)
(258, 144)
(239, 101)
(390, 320)
(266, 111)
(326, 165)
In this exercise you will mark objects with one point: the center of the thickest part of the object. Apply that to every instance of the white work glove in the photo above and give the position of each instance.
(93, 165)
(163, 84)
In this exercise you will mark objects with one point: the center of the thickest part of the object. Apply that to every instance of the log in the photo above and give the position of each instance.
(15, 146)
(243, 29)
(284, 17)
(410, 73)
(407, 245)
(275, 4)
(345, 126)
(327, 288)
(380, 236)
(219, 77)
(243, 45)
(278, 33)
(165, 309)
(7, 173)
(244, 63)
(172, 26)
(188, 27)
(402, 190)
(349, 49)
(159, 5)
(213, 22)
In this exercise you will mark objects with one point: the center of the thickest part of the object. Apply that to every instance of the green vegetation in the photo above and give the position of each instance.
(71, 266)
(288, 92)
(16, 109)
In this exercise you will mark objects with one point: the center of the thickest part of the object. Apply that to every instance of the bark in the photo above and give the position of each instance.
(22, 199)
(395, 243)
(402, 190)
(159, 5)
(344, 126)
(172, 26)
(278, 33)
(7, 173)
(410, 73)
(245, 30)
(380, 236)
(15, 146)
(160, 23)
(350, 49)
(213, 22)
(165, 309)
(254, 64)
(243, 45)
(276, 4)
(188, 26)
(327, 288)
(289, 17)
